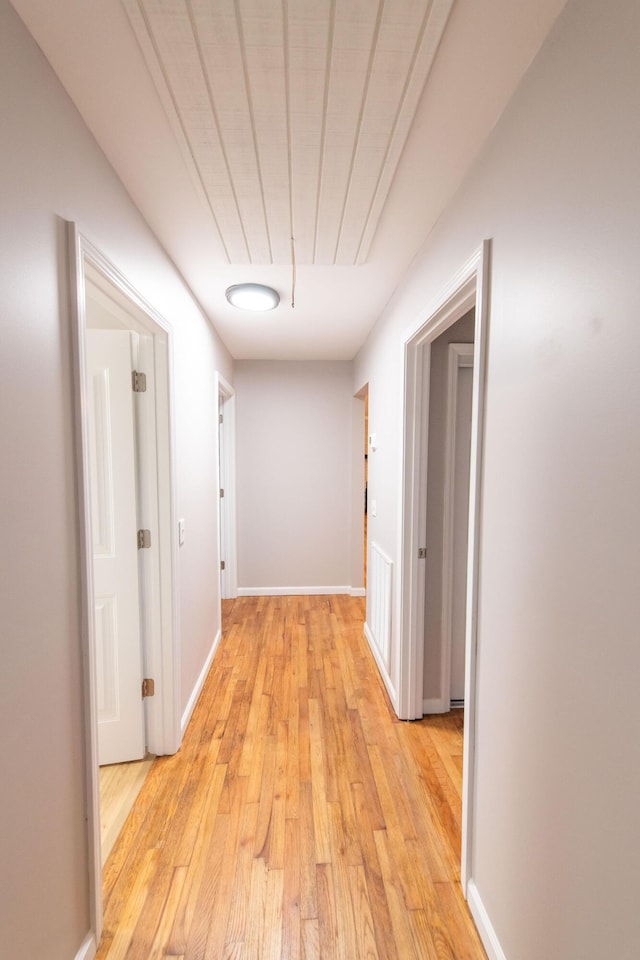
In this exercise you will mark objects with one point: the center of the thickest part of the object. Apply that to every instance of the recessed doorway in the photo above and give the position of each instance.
(468, 290)
(447, 515)
(107, 307)
(361, 474)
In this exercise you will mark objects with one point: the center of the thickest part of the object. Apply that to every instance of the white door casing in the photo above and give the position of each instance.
(226, 482)
(469, 288)
(90, 268)
(115, 555)
(224, 576)
(456, 519)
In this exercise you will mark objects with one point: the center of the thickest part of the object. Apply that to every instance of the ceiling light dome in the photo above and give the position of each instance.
(252, 296)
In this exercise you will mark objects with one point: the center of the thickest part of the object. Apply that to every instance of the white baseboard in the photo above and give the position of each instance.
(384, 673)
(88, 949)
(357, 591)
(290, 591)
(193, 699)
(483, 923)
(435, 705)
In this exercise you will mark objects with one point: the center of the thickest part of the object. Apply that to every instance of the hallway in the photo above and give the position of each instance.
(300, 818)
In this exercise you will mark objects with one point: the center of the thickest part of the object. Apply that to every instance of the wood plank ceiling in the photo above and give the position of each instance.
(291, 114)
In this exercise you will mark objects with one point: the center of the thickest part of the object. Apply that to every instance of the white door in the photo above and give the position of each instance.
(115, 552)
(224, 590)
(462, 461)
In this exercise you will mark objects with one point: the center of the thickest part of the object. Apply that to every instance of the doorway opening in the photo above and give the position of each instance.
(227, 486)
(447, 515)
(360, 494)
(467, 291)
(126, 472)
(366, 480)
(119, 504)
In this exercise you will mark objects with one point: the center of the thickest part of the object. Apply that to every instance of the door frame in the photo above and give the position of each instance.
(163, 726)
(460, 355)
(227, 481)
(359, 471)
(468, 289)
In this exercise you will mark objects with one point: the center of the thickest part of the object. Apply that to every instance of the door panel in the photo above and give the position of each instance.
(115, 554)
(106, 658)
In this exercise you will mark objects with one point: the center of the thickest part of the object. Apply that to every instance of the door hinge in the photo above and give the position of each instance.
(148, 688)
(220, 418)
(138, 381)
(144, 539)
(222, 565)
(221, 492)
(422, 553)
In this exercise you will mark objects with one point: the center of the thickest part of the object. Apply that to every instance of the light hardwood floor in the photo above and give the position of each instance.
(300, 819)
(120, 784)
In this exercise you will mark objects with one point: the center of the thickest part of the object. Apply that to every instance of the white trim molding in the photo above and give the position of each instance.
(88, 948)
(382, 667)
(163, 732)
(293, 591)
(357, 591)
(197, 690)
(485, 928)
(227, 482)
(467, 290)
(435, 705)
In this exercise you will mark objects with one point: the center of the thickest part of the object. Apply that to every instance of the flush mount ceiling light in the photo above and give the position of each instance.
(252, 296)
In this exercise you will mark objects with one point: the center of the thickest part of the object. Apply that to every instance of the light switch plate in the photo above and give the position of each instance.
(180, 532)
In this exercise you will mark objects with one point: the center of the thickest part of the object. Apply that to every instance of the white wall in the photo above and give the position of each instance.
(556, 839)
(51, 170)
(294, 461)
(198, 354)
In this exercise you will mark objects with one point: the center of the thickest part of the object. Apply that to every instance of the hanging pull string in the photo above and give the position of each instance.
(293, 273)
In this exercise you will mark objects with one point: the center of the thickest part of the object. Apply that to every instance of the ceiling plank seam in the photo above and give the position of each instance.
(363, 104)
(287, 88)
(247, 83)
(323, 136)
(430, 35)
(214, 114)
(394, 128)
(177, 116)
